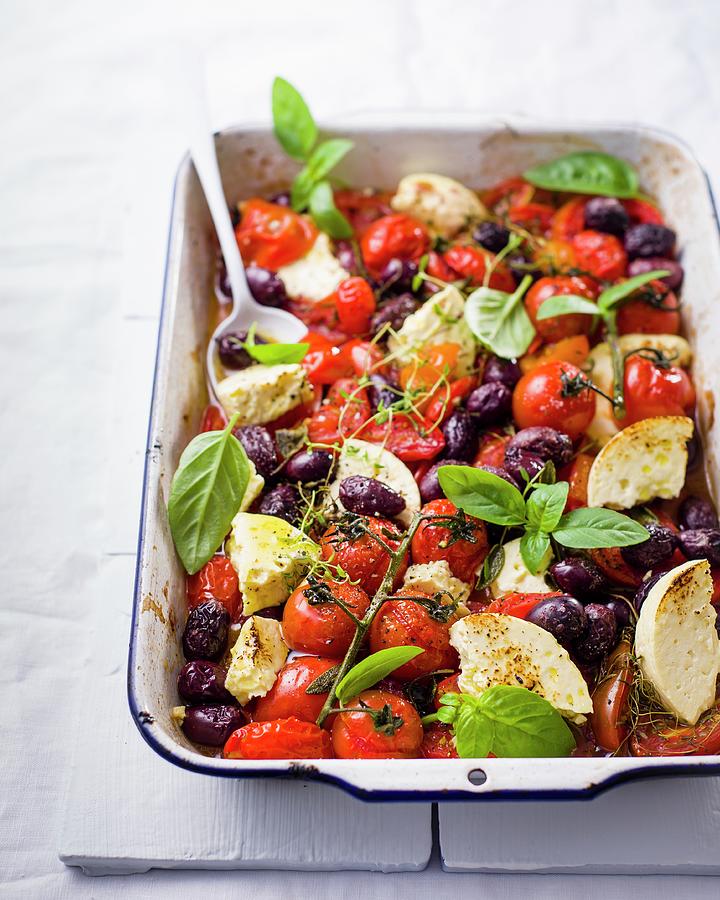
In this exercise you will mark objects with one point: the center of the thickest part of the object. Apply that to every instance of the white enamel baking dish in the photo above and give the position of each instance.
(478, 152)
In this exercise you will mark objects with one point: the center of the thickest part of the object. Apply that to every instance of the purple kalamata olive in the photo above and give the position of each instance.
(206, 631)
(265, 286)
(651, 264)
(490, 404)
(644, 589)
(500, 472)
(370, 497)
(648, 240)
(309, 465)
(201, 681)
(547, 443)
(520, 462)
(394, 312)
(606, 214)
(599, 636)
(260, 448)
(397, 276)
(621, 610)
(701, 543)
(345, 253)
(222, 283)
(231, 351)
(520, 266)
(211, 725)
(461, 438)
(382, 390)
(696, 512)
(579, 577)
(563, 617)
(430, 486)
(657, 549)
(492, 236)
(694, 451)
(281, 198)
(282, 501)
(506, 371)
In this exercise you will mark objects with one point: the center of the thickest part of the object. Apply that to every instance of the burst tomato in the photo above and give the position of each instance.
(289, 738)
(438, 268)
(611, 700)
(390, 729)
(642, 212)
(314, 623)
(653, 309)
(664, 736)
(517, 604)
(492, 450)
(535, 217)
(359, 554)
(410, 437)
(438, 742)
(558, 327)
(553, 395)
(601, 255)
(393, 237)
(611, 563)
(217, 580)
(472, 263)
(362, 208)
(272, 236)
(655, 390)
(462, 543)
(355, 304)
(577, 474)
(287, 696)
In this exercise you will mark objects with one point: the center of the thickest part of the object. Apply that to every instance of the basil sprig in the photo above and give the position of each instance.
(372, 669)
(586, 172)
(499, 320)
(540, 514)
(297, 134)
(270, 354)
(206, 493)
(507, 720)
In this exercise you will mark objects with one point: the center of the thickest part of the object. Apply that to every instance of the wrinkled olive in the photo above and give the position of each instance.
(231, 352)
(600, 634)
(345, 253)
(265, 286)
(518, 462)
(397, 276)
(563, 617)
(382, 390)
(281, 198)
(430, 486)
(546, 443)
(501, 473)
(658, 548)
(461, 437)
(506, 371)
(648, 239)
(490, 404)
(282, 501)
(701, 543)
(696, 512)
(260, 448)
(211, 725)
(394, 313)
(201, 681)
(644, 589)
(650, 264)
(492, 236)
(606, 214)
(206, 631)
(309, 465)
(370, 497)
(578, 576)
(621, 610)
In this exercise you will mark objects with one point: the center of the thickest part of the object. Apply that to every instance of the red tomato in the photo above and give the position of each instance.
(272, 236)
(287, 696)
(602, 255)
(323, 427)
(543, 397)
(353, 404)
(213, 419)
(325, 362)
(472, 263)
(559, 327)
(393, 237)
(410, 437)
(535, 217)
(492, 450)
(574, 350)
(611, 700)
(438, 268)
(555, 257)
(447, 397)
(653, 390)
(438, 742)
(664, 736)
(360, 735)
(320, 316)
(217, 580)
(610, 561)
(448, 685)
(509, 192)
(434, 541)
(313, 623)
(577, 474)
(406, 623)
(569, 219)
(355, 304)
(364, 356)
(642, 212)
(517, 604)
(359, 554)
(653, 309)
(289, 738)
(362, 208)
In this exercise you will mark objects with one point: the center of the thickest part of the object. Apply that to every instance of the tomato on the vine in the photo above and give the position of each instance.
(360, 554)
(438, 742)
(653, 309)
(288, 697)
(314, 623)
(217, 580)
(601, 255)
(555, 395)
(355, 305)
(393, 237)
(462, 543)
(655, 388)
(558, 327)
(272, 236)
(389, 729)
(472, 263)
(289, 738)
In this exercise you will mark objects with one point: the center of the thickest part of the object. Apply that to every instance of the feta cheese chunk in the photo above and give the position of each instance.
(315, 275)
(500, 649)
(440, 320)
(436, 577)
(443, 204)
(257, 656)
(372, 461)
(515, 575)
(643, 461)
(260, 394)
(676, 641)
(254, 488)
(270, 557)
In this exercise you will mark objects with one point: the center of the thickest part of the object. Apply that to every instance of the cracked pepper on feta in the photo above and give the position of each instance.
(261, 394)
(257, 656)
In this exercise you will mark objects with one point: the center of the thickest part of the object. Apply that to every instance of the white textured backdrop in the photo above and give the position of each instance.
(91, 135)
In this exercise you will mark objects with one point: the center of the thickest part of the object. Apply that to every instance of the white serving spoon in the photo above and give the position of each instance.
(276, 324)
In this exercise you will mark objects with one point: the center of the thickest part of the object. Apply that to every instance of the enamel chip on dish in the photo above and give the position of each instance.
(441, 203)
(316, 275)
(260, 394)
(258, 655)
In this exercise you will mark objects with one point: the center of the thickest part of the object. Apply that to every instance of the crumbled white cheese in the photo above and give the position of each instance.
(315, 275)
(258, 655)
(261, 394)
(443, 204)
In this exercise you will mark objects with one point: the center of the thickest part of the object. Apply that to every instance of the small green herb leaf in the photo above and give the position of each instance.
(482, 494)
(534, 546)
(586, 528)
(293, 123)
(586, 172)
(499, 320)
(492, 566)
(372, 669)
(612, 296)
(565, 305)
(277, 354)
(546, 504)
(323, 159)
(206, 493)
(326, 215)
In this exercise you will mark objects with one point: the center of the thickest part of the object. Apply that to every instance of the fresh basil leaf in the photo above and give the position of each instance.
(585, 528)
(524, 723)
(500, 321)
(372, 669)
(492, 566)
(565, 305)
(277, 354)
(326, 215)
(586, 172)
(294, 126)
(322, 160)
(534, 547)
(482, 494)
(614, 295)
(206, 493)
(546, 504)
(473, 731)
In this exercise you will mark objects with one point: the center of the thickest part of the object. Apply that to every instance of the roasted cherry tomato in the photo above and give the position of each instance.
(448, 685)
(353, 404)
(393, 237)
(663, 736)
(653, 309)
(601, 255)
(314, 623)
(421, 622)
(555, 257)
(611, 700)
(359, 554)
(574, 350)
(217, 580)
(289, 738)
(355, 304)
(517, 604)
(535, 217)
(325, 362)
(569, 219)
(555, 395)
(362, 208)
(272, 236)
(462, 543)
(390, 729)
(287, 697)
(510, 192)
(472, 263)
(410, 437)
(577, 474)
(435, 366)
(438, 268)
(438, 742)
(641, 212)
(611, 563)
(492, 450)
(323, 427)
(447, 397)
(655, 390)
(558, 327)
(364, 356)
(213, 419)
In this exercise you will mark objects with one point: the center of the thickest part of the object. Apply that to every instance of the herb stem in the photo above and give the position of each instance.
(618, 364)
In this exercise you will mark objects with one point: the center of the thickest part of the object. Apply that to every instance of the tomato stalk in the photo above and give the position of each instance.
(618, 365)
